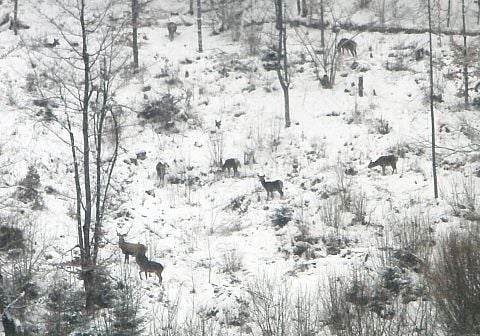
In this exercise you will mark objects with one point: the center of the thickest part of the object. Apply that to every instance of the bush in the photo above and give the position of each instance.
(27, 189)
(11, 238)
(382, 126)
(282, 217)
(126, 311)
(164, 110)
(455, 282)
(232, 261)
(65, 309)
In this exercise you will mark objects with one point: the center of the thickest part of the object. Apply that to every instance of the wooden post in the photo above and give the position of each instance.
(360, 86)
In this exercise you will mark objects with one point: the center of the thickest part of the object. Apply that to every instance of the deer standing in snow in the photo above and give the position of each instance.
(349, 45)
(383, 161)
(271, 186)
(172, 29)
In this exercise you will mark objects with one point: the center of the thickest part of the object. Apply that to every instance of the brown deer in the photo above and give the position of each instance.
(172, 29)
(383, 161)
(130, 249)
(347, 44)
(55, 43)
(231, 164)
(161, 168)
(271, 186)
(148, 266)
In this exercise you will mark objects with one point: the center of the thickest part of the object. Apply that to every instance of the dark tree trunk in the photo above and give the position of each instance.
(9, 327)
(199, 25)
(304, 8)
(322, 26)
(432, 114)
(15, 17)
(282, 68)
(135, 33)
(360, 86)
(465, 60)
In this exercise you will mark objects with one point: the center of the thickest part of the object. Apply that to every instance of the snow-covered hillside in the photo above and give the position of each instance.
(235, 261)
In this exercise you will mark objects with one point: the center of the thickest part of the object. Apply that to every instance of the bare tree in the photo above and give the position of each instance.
(432, 114)
(199, 25)
(465, 52)
(15, 17)
(135, 33)
(282, 67)
(83, 81)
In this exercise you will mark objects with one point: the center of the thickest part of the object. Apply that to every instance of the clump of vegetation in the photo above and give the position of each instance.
(11, 238)
(164, 110)
(382, 126)
(455, 282)
(232, 261)
(65, 309)
(282, 217)
(27, 188)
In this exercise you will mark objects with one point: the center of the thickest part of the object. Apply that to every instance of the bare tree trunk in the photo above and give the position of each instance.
(304, 8)
(135, 33)
(465, 60)
(322, 25)
(86, 254)
(432, 114)
(282, 68)
(449, 11)
(360, 86)
(15, 17)
(190, 10)
(199, 25)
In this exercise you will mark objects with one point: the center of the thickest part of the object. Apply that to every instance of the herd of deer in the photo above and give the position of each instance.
(139, 250)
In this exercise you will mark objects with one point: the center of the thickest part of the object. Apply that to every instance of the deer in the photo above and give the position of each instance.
(130, 249)
(172, 29)
(347, 44)
(383, 161)
(271, 186)
(148, 266)
(55, 43)
(161, 168)
(231, 164)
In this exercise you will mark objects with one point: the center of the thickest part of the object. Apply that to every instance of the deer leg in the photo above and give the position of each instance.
(383, 170)
(140, 273)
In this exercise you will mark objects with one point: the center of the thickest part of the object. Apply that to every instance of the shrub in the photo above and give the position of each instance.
(382, 126)
(164, 110)
(330, 213)
(65, 309)
(27, 189)
(455, 282)
(11, 238)
(282, 217)
(232, 261)
(126, 311)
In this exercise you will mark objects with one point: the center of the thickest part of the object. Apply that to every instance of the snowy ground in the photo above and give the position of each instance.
(193, 231)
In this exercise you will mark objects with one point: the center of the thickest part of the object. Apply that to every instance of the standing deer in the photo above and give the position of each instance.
(271, 186)
(349, 45)
(148, 266)
(55, 43)
(172, 29)
(130, 249)
(161, 170)
(383, 161)
(231, 164)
